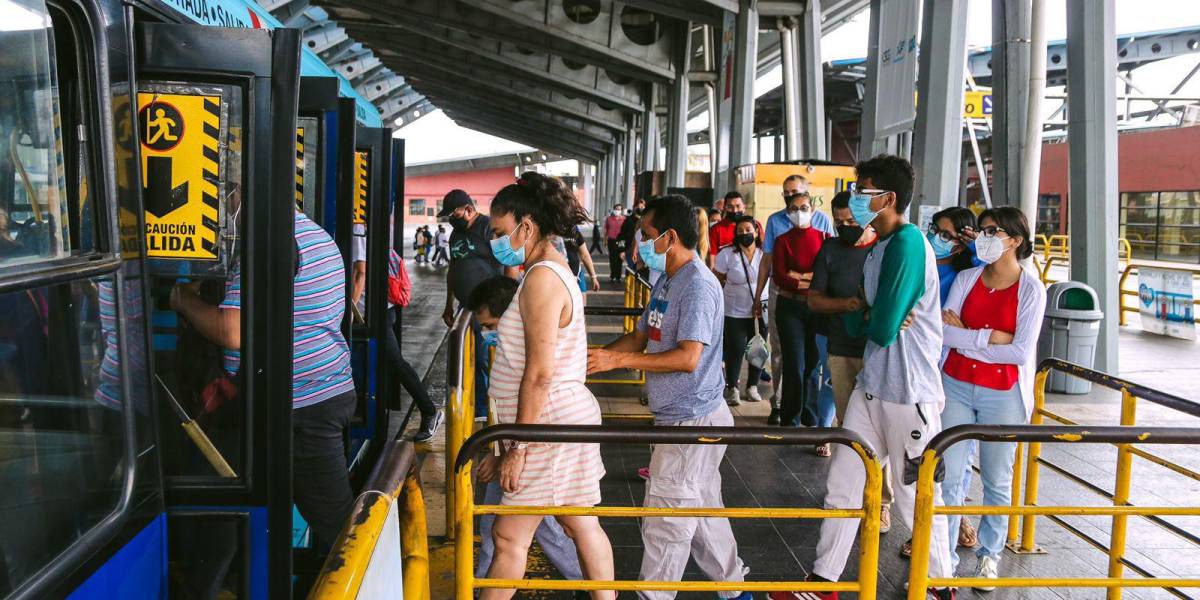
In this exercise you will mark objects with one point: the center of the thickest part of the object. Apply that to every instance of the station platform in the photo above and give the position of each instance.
(764, 476)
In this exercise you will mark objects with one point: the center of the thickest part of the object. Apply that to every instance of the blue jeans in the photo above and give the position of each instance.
(483, 368)
(967, 403)
(805, 392)
(559, 548)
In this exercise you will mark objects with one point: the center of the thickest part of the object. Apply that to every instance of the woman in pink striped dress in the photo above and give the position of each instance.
(538, 377)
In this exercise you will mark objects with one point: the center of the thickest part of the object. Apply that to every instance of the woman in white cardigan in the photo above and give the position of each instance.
(992, 319)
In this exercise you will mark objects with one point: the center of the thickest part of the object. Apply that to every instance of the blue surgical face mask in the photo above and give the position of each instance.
(941, 247)
(860, 207)
(491, 338)
(505, 254)
(654, 261)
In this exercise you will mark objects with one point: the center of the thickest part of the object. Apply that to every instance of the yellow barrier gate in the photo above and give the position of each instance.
(460, 400)
(465, 508)
(927, 504)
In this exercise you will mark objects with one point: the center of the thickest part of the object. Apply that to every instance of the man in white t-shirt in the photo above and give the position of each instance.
(736, 267)
(441, 239)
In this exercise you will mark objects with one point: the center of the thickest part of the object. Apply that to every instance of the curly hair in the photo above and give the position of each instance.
(548, 202)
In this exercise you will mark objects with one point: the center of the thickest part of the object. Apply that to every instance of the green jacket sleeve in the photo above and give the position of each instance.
(901, 285)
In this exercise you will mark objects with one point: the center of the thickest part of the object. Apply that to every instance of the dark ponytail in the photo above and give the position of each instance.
(547, 201)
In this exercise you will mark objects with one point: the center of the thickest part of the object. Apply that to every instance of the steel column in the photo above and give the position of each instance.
(745, 68)
(791, 87)
(812, 84)
(1010, 96)
(1092, 136)
(650, 135)
(677, 142)
(591, 203)
(937, 135)
(869, 144)
(630, 168)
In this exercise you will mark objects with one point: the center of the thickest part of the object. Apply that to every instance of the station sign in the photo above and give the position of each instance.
(362, 162)
(977, 104)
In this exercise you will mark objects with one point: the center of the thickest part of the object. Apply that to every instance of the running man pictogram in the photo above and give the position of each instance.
(164, 126)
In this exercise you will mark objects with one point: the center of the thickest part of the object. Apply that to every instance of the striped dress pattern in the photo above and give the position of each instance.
(555, 474)
(321, 358)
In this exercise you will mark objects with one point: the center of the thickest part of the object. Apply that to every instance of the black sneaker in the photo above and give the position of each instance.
(429, 426)
(773, 418)
(942, 594)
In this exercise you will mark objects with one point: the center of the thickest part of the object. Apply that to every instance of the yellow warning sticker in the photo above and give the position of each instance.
(300, 169)
(362, 161)
(181, 169)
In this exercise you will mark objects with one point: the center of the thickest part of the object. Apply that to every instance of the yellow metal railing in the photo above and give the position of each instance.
(637, 295)
(927, 506)
(1060, 245)
(466, 510)
(392, 488)
(460, 400)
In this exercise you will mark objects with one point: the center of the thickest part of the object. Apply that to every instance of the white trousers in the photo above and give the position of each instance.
(688, 476)
(896, 432)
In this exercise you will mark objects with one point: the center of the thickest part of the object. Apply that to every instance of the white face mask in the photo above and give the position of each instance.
(989, 248)
(800, 218)
(616, 212)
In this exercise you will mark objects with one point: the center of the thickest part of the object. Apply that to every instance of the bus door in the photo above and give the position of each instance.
(370, 215)
(216, 119)
(318, 131)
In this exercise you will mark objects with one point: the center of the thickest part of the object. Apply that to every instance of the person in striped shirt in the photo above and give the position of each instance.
(323, 398)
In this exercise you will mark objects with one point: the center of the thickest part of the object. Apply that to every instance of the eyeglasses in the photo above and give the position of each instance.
(992, 230)
(947, 236)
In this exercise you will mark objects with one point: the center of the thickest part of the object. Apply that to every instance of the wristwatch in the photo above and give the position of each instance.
(518, 445)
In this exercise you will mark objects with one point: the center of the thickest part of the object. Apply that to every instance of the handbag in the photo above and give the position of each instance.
(758, 352)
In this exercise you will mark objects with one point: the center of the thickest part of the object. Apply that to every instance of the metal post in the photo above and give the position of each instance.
(812, 84)
(1116, 550)
(745, 66)
(1092, 137)
(649, 130)
(1031, 147)
(937, 135)
(629, 191)
(1010, 83)
(869, 144)
(678, 109)
(592, 204)
(791, 88)
(710, 98)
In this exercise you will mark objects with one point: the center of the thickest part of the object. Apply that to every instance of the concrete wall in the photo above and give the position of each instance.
(482, 185)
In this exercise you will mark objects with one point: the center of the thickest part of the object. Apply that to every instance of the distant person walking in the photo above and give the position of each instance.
(612, 231)
(441, 254)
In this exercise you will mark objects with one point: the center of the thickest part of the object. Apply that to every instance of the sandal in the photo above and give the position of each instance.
(824, 451)
(967, 536)
(644, 473)
(906, 549)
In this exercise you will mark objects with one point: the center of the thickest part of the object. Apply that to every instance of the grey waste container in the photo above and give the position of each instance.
(1069, 332)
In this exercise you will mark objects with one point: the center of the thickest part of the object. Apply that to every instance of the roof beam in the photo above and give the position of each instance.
(502, 131)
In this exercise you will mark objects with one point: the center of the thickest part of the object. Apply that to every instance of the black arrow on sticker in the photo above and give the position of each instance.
(159, 196)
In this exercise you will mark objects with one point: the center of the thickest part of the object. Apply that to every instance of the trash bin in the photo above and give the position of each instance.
(1069, 332)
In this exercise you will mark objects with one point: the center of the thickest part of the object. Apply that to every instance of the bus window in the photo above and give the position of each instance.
(34, 220)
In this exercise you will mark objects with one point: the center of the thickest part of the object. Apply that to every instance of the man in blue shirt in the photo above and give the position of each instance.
(778, 224)
(678, 345)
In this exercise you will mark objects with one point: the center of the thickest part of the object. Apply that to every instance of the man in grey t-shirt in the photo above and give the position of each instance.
(678, 345)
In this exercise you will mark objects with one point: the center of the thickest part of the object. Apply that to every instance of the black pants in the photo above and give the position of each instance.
(440, 255)
(798, 341)
(320, 478)
(614, 259)
(405, 372)
(738, 332)
(596, 247)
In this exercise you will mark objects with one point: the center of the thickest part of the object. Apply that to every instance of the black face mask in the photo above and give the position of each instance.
(731, 215)
(849, 233)
(744, 239)
(457, 222)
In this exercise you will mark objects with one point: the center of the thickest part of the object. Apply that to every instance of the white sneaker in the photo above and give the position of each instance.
(988, 568)
(732, 396)
(752, 394)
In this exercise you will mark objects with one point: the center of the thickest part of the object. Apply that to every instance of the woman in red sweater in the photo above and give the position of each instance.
(791, 270)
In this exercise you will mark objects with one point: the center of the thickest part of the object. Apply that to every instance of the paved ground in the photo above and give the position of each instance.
(795, 477)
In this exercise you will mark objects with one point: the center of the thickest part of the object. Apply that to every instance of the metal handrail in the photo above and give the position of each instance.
(392, 480)
(926, 504)
(460, 398)
(465, 508)
(1026, 527)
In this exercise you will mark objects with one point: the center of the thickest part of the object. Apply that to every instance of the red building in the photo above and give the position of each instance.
(423, 193)
(1159, 183)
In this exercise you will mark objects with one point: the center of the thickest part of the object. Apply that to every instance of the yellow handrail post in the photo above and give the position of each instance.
(868, 556)
(414, 541)
(1116, 550)
(1029, 522)
(454, 405)
(1014, 524)
(464, 549)
(1121, 292)
(923, 518)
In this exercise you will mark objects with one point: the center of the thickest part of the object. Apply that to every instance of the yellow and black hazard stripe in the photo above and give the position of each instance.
(210, 142)
(361, 171)
(300, 169)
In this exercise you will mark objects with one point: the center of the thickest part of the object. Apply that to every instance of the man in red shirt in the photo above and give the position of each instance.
(721, 233)
(792, 265)
(612, 232)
